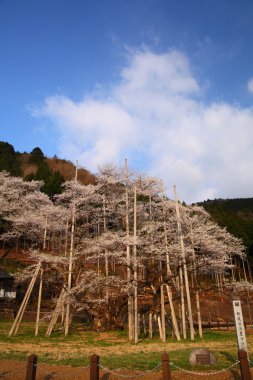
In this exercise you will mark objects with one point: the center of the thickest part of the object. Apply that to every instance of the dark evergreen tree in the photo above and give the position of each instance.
(54, 185)
(9, 159)
(52, 180)
(37, 156)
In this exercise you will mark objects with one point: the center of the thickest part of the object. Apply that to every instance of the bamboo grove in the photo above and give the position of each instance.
(118, 250)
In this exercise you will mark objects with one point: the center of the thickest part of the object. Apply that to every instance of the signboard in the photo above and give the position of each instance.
(203, 359)
(239, 325)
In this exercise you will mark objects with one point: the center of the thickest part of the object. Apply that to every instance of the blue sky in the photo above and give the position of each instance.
(167, 84)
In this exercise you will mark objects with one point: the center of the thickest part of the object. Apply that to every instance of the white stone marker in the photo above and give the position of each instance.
(240, 331)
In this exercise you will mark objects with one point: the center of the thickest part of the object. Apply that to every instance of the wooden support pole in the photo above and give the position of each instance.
(39, 303)
(163, 314)
(169, 292)
(249, 270)
(94, 367)
(58, 309)
(144, 324)
(244, 365)
(150, 326)
(186, 281)
(160, 327)
(71, 254)
(23, 305)
(31, 367)
(175, 328)
(166, 370)
(130, 301)
(135, 270)
(139, 324)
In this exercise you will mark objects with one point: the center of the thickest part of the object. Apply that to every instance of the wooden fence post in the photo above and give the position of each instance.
(244, 365)
(31, 367)
(94, 367)
(166, 370)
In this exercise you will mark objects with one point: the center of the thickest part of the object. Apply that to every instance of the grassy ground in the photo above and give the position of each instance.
(113, 347)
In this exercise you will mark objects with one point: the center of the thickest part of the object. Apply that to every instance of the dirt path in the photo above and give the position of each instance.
(14, 370)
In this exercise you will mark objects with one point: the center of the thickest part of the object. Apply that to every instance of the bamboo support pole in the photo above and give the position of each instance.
(26, 299)
(106, 255)
(162, 314)
(160, 327)
(58, 309)
(23, 305)
(194, 276)
(135, 270)
(45, 235)
(244, 271)
(144, 324)
(169, 291)
(150, 326)
(249, 270)
(39, 304)
(71, 253)
(188, 297)
(173, 314)
(66, 238)
(130, 296)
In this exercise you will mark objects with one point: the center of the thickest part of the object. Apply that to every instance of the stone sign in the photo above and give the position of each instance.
(202, 357)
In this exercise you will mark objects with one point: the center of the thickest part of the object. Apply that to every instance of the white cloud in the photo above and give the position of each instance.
(250, 85)
(155, 115)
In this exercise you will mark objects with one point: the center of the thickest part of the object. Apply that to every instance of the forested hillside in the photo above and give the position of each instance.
(36, 166)
(236, 215)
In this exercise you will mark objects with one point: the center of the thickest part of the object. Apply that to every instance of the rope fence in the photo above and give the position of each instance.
(62, 375)
(91, 372)
(6, 374)
(151, 371)
(205, 373)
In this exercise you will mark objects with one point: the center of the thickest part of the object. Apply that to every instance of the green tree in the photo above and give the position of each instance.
(52, 180)
(37, 156)
(54, 185)
(9, 160)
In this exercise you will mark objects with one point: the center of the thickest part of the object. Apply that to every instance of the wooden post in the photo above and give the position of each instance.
(175, 328)
(166, 370)
(39, 304)
(155, 324)
(139, 324)
(144, 324)
(31, 367)
(160, 327)
(150, 326)
(173, 317)
(71, 254)
(244, 365)
(130, 301)
(163, 314)
(24, 303)
(106, 256)
(135, 267)
(94, 367)
(186, 281)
